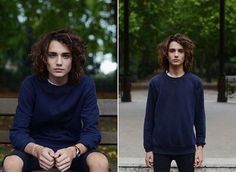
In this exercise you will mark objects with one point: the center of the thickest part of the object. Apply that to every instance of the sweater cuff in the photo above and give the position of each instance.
(148, 149)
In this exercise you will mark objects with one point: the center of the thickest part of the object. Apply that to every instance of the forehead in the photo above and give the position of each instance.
(175, 45)
(56, 46)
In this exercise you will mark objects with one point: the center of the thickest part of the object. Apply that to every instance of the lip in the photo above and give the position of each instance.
(58, 69)
(176, 60)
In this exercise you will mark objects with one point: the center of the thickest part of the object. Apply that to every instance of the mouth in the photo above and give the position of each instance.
(58, 70)
(176, 60)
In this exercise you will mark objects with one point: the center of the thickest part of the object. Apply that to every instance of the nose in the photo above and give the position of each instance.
(59, 61)
(176, 54)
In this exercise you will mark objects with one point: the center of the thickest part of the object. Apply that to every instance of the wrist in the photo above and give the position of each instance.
(72, 149)
(36, 150)
(78, 150)
(199, 147)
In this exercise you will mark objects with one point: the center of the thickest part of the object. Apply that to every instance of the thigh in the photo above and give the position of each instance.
(29, 162)
(80, 164)
(185, 162)
(162, 163)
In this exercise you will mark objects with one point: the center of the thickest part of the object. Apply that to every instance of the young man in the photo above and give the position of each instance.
(175, 105)
(56, 120)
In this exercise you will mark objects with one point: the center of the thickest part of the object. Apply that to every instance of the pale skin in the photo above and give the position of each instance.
(48, 158)
(176, 57)
(59, 63)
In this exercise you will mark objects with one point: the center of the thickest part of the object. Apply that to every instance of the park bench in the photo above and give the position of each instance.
(230, 81)
(107, 109)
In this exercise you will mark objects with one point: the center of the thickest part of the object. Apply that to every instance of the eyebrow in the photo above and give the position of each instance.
(176, 49)
(173, 49)
(65, 53)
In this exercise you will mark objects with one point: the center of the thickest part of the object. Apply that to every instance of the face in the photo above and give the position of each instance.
(176, 54)
(59, 62)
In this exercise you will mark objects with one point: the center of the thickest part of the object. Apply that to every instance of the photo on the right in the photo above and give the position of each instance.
(177, 86)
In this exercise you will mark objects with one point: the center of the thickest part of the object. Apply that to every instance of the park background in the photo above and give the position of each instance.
(212, 27)
(23, 22)
(150, 22)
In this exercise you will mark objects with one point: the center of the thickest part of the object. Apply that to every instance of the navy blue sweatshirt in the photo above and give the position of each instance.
(174, 107)
(56, 116)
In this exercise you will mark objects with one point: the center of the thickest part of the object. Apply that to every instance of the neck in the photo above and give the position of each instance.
(57, 82)
(176, 72)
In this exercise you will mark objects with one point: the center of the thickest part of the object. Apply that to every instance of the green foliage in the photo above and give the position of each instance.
(23, 22)
(152, 21)
(106, 82)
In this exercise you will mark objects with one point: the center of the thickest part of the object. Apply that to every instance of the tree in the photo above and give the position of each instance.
(23, 22)
(152, 21)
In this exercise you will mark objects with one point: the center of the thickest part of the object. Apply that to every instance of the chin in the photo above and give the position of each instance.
(59, 75)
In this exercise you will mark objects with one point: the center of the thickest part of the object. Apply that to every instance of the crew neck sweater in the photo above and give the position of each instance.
(56, 116)
(175, 117)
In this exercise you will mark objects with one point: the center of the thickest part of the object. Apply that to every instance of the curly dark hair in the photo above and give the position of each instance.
(183, 40)
(75, 44)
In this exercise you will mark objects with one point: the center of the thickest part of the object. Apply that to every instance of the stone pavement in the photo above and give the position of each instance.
(220, 125)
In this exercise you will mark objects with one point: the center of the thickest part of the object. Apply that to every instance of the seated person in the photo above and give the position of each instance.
(56, 120)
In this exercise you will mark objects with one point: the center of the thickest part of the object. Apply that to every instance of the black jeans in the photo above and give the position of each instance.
(185, 163)
(31, 163)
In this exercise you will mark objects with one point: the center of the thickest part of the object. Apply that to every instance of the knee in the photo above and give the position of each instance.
(97, 161)
(12, 163)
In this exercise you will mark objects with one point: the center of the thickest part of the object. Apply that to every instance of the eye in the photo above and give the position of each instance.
(181, 50)
(52, 55)
(66, 56)
(171, 50)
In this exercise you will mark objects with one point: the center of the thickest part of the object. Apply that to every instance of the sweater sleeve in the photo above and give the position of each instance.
(149, 117)
(19, 133)
(90, 135)
(200, 121)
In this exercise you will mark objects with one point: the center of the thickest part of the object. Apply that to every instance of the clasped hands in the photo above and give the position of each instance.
(61, 159)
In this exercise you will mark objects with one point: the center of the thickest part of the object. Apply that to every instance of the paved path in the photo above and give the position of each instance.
(221, 126)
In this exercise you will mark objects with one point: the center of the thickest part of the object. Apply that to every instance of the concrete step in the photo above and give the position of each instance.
(209, 165)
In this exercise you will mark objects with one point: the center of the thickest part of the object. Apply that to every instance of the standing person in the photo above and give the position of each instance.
(56, 120)
(175, 105)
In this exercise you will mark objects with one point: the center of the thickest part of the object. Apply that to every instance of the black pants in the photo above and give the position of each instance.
(31, 163)
(185, 163)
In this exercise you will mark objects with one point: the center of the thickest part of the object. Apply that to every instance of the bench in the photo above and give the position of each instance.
(230, 81)
(107, 109)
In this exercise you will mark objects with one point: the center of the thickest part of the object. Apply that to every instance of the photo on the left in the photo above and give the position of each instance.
(58, 86)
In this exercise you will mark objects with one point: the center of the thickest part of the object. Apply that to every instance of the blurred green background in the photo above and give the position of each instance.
(152, 21)
(23, 22)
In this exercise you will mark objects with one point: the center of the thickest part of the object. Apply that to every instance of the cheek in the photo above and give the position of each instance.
(69, 65)
(49, 65)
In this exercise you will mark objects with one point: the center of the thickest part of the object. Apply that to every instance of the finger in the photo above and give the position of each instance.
(44, 166)
(195, 163)
(65, 161)
(65, 167)
(151, 163)
(51, 153)
(57, 154)
(148, 163)
(198, 164)
(61, 158)
(47, 156)
(45, 161)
